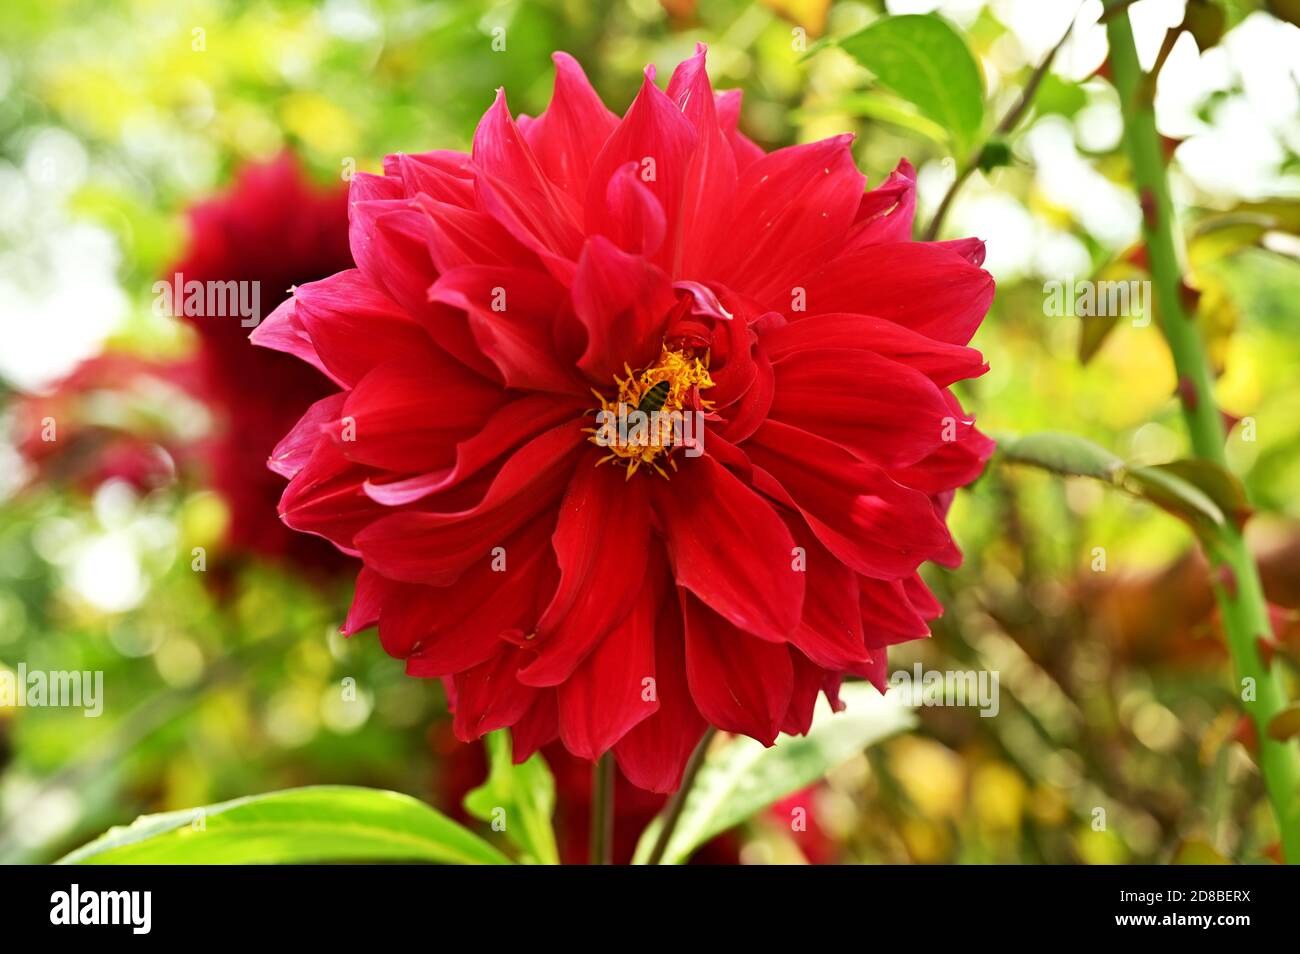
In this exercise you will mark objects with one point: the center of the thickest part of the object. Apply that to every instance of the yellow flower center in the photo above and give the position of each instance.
(657, 410)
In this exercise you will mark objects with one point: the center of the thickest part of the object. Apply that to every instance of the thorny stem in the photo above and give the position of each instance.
(678, 801)
(1008, 123)
(1237, 586)
(601, 841)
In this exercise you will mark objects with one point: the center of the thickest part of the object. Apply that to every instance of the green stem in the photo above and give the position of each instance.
(673, 813)
(1237, 587)
(601, 842)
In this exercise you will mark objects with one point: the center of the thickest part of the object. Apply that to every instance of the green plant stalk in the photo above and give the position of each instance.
(673, 812)
(601, 835)
(1237, 587)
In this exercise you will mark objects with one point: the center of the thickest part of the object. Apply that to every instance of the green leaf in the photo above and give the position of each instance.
(1173, 487)
(744, 777)
(1062, 453)
(1216, 482)
(519, 797)
(926, 62)
(319, 823)
(1170, 492)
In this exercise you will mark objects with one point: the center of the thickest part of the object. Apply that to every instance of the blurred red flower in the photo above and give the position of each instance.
(113, 416)
(99, 423)
(625, 595)
(275, 228)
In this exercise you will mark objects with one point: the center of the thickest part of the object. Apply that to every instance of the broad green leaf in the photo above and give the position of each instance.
(926, 62)
(743, 778)
(520, 799)
(1061, 453)
(297, 825)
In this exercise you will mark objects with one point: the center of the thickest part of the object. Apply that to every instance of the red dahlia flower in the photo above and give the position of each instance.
(625, 595)
(276, 228)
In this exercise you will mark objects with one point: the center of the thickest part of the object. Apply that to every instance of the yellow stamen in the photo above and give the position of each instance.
(687, 374)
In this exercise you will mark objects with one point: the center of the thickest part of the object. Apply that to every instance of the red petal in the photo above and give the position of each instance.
(740, 684)
(830, 632)
(654, 753)
(282, 331)
(955, 463)
(607, 695)
(508, 428)
(921, 598)
(370, 196)
(601, 542)
(367, 601)
(568, 136)
(886, 212)
(537, 727)
(353, 326)
(791, 206)
(924, 287)
(888, 616)
(877, 526)
(441, 175)
(728, 547)
(400, 241)
(294, 450)
(489, 697)
(633, 218)
(325, 497)
(409, 413)
(459, 237)
(511, 313)
(515, 191)
(711, 178)
(746, 152)
(883, 411)
(622, 301)
(808, 680)
(658, 139)
(442, 630)
(435, 548)
(943, 363)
